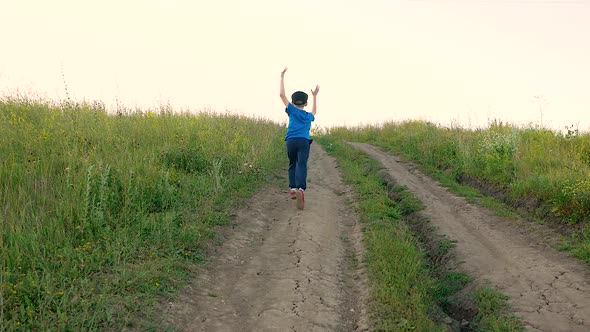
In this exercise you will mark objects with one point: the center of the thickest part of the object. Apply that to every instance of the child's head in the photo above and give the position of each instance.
(299, 98)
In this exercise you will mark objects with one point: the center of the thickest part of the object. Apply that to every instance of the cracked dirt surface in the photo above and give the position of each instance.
(550, 291)
(282, 269)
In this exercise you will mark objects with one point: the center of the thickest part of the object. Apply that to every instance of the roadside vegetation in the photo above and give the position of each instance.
(411, 285)
(539, 173)
(102, 214)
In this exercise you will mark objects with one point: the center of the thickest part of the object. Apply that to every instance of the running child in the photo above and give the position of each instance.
(298, 139)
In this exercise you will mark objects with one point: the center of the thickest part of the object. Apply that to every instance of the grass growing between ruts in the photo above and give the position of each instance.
(407, 290)
(103, 214)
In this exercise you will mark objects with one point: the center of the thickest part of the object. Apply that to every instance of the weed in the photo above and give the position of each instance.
(494, 313)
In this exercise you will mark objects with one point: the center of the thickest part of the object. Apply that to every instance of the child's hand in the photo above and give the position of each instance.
(314, 92)
(283, 72)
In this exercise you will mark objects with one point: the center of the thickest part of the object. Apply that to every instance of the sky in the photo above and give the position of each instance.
(450, 62)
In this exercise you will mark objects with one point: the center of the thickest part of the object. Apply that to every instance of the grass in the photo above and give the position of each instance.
(493, 312)
(103, 214)
(410, 287)
(542, 173)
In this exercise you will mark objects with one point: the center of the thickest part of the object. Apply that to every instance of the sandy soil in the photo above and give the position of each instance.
(280, 268)
(549, 290)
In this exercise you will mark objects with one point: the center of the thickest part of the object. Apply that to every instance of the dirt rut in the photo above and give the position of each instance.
(550, 291)
(282, 269)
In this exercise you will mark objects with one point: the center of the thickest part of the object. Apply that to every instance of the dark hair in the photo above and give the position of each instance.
(299, 98)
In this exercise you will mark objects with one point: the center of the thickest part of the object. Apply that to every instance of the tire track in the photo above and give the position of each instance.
(549, 290)
(281, 269)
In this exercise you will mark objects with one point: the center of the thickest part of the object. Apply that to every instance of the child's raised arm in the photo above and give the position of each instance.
(283, 95)
(315, 93)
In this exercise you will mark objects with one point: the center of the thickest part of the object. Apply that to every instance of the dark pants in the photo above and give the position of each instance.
(298, 152)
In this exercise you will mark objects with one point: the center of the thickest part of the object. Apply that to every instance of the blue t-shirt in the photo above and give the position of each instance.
(299, 122)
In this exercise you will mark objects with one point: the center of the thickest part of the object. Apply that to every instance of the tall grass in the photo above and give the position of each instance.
(102, 213)
(543, 172)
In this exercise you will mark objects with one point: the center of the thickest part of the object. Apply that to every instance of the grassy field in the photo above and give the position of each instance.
(103, 214)
(540, 173)
(410, 290)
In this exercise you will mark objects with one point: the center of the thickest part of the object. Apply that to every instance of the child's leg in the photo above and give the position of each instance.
(301, 169)
(292, 154)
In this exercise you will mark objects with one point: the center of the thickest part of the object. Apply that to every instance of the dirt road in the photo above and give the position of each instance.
(282, 269)
(550, 291)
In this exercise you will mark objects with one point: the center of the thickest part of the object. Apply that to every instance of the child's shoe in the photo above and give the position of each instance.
(300, 195)
(293, 193)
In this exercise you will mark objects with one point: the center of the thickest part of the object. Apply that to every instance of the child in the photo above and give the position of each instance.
(298, 139)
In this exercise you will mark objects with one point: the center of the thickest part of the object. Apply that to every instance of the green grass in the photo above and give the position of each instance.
(103, 214)
(494, 312)
(408, 288)
(541, 172)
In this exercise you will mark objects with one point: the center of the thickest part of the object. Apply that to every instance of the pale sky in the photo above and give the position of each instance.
(443, 61)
